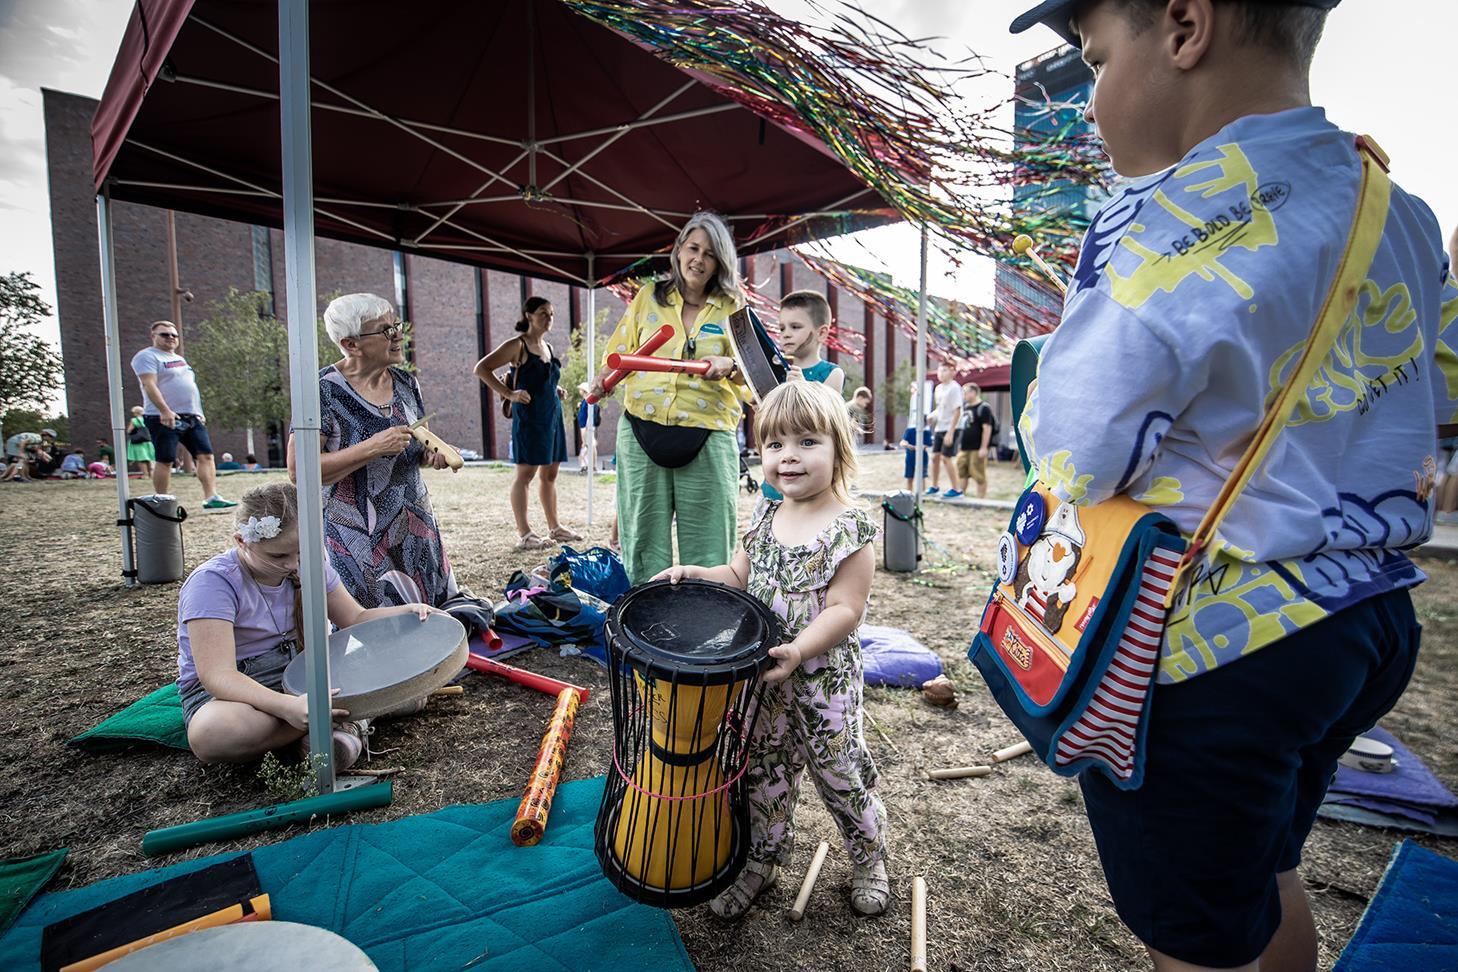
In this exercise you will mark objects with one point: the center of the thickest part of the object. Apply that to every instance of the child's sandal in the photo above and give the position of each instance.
(756, 878)
(870, 888)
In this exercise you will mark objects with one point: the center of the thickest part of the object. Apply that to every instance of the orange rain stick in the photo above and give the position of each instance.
(536, 802)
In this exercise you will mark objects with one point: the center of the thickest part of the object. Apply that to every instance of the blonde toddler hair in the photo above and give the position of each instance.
(808, 406)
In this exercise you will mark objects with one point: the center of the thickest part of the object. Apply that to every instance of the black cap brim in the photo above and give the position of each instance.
(1055, 14)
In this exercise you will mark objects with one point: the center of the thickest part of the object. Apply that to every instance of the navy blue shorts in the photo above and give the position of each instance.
(192, 433)
(909, 461)
(1238, 761)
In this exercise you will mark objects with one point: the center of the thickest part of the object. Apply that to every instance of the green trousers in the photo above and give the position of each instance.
(701, 495)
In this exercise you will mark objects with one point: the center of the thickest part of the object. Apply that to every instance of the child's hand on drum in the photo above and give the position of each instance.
(787, 659)
(675, 574)
(421, 611)
(296, 710)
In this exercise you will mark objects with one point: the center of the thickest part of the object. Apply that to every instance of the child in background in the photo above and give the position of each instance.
(804, 326)
(589, 417)
(860, 407)
(908, 445)
(74, 465)
(809, 557)
(238, 628)
(1198, 282)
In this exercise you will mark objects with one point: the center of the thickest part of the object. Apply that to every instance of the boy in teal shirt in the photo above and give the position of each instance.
(1196, 287)
(804, 328)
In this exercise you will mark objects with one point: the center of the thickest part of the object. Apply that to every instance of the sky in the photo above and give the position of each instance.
(1373, 72)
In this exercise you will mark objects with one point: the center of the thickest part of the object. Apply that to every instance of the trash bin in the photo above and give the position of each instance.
(901, 531)
(157, 527)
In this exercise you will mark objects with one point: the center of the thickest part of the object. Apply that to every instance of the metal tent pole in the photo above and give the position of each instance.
(591, 430)
(114, 381)
(919, 412)
(298, 208)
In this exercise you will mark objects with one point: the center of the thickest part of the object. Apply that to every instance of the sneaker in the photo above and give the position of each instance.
(952, 494)
(931, 490)
(349, 743)
(216, 502)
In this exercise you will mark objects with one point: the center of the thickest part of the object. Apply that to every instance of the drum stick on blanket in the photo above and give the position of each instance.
(536, 802)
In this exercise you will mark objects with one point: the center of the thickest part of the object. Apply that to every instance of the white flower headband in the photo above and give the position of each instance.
(256, 529)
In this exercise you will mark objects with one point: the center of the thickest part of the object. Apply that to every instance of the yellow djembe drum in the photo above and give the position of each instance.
(684, 663)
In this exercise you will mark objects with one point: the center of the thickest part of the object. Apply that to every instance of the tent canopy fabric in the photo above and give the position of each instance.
(517, 135)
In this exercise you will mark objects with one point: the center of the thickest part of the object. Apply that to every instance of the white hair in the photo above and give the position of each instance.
(721, 241)
(346, 316)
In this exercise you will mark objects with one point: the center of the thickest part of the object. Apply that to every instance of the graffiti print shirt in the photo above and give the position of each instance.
(1194, 293)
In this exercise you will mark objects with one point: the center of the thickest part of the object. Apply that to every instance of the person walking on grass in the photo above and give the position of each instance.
(173, 413)
(945, 416)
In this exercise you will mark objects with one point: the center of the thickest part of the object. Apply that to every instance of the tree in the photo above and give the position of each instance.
(241, 357)
(898, 387)
(30, 368)
(574, 364)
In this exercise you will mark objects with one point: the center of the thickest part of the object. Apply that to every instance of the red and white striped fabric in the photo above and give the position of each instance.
(1106, 731)
(1037, 605)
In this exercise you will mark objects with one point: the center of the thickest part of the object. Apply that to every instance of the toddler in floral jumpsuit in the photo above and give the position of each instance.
(809, 557)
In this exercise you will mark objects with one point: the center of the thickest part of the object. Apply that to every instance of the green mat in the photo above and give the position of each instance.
(21, 879)
(442, 891)
(155, 718)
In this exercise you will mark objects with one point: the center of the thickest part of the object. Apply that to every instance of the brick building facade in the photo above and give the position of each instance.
(458, 312)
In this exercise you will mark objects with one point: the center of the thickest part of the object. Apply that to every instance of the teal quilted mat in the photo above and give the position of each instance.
(437, 891)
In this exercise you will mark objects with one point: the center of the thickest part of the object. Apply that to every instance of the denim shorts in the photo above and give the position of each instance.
(189, 431)
(1238, 762)
(266, 669)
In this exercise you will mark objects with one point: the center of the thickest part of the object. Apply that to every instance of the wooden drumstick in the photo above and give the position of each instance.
(958, 772)
(1012, 752)
(803, 898)
(1023, 246)
(918, 924)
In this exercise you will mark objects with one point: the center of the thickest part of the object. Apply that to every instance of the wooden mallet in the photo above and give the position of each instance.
(803, 898)
(1023, 246)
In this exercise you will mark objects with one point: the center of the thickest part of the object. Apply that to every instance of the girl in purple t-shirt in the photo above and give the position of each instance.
(237, 631)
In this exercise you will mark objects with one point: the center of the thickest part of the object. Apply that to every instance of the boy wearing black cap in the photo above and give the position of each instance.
(1196, 287)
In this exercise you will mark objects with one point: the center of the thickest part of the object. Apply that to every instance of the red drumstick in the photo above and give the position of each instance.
(644, 362)
(542, 683)
(658, 339)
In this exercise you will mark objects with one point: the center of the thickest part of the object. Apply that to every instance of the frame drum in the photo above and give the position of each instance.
(381, 664)
(250, 946)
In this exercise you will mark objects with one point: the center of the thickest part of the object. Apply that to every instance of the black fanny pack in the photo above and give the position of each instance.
(670, 446)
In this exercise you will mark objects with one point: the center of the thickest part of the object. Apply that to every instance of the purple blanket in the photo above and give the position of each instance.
(1410, 791)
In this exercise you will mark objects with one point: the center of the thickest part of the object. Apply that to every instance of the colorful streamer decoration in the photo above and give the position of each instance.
(889, 108)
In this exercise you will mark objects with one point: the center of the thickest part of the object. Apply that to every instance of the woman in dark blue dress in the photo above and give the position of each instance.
(538, 439)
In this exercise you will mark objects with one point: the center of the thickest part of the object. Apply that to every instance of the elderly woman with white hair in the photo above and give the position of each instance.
(677, 453)
(379, 528)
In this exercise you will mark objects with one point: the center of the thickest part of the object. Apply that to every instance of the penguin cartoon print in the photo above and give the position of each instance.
(1044, 584)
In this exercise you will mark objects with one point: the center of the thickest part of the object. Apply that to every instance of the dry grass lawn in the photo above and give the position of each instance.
(1014, 880)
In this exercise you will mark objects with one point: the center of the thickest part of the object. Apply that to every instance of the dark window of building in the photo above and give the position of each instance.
(263, 264)
(402, 299)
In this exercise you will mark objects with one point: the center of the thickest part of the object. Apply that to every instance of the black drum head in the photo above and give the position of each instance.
(696, 631)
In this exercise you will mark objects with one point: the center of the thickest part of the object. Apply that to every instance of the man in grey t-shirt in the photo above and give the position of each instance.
(173, 412)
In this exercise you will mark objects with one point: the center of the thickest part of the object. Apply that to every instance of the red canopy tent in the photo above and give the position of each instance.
(517, 135)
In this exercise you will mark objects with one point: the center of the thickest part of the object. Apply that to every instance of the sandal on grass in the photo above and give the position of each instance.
(562, 533)
(530, 541)
(756, 878)
(870, 888)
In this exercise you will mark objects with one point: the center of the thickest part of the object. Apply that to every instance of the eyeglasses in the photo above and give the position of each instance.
(167, 336)
(391, 331)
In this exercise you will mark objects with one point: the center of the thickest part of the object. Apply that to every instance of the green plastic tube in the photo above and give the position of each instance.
(169, 839)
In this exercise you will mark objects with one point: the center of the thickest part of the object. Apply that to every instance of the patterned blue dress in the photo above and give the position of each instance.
(379, 528)
(537, 435)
